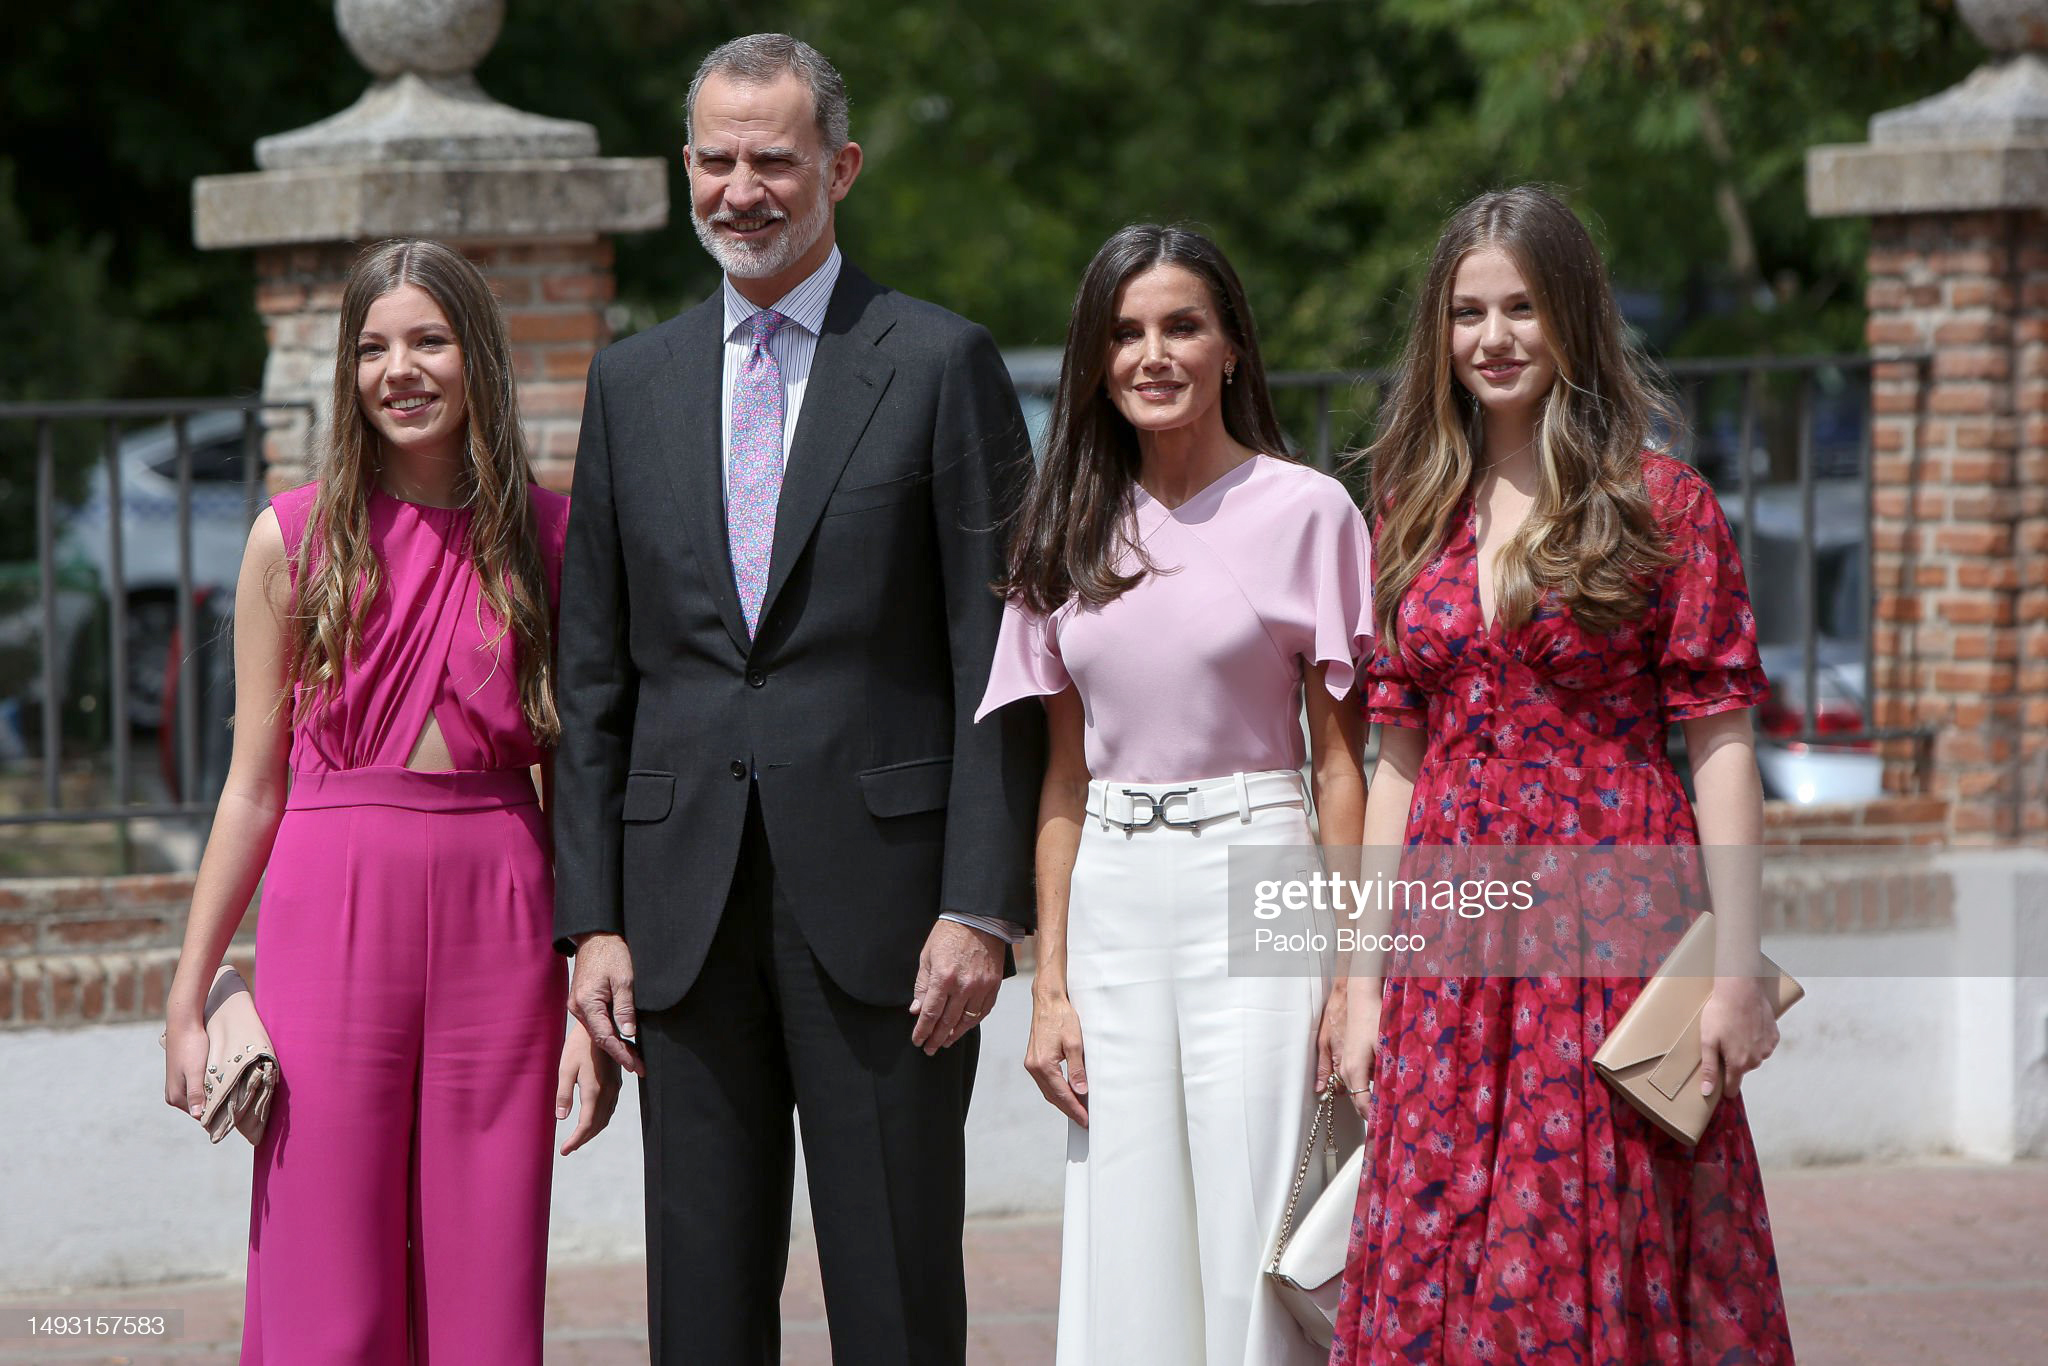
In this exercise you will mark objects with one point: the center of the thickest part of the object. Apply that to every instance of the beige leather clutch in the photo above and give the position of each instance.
(1652, 1055)
(241, 1065)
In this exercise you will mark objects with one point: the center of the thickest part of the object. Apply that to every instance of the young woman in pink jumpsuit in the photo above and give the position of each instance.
(393, 642)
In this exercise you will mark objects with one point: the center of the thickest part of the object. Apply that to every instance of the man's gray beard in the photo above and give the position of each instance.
(743, 262)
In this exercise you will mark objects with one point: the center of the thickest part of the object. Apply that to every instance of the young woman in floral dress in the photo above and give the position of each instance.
(1551, 597)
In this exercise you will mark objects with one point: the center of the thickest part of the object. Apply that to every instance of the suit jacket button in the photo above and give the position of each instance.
(739, 768)
(756, 679)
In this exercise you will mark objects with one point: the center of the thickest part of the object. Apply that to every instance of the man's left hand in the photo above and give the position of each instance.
(958, 975)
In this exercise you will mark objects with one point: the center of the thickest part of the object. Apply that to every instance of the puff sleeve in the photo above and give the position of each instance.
(1391, 697)
(1027, 660)
(1707, 658)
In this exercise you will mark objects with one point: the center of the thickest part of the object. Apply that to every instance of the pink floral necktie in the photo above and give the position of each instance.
(754, 472)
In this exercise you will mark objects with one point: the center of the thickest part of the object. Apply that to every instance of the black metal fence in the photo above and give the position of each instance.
(108, 488)
(1786, 442)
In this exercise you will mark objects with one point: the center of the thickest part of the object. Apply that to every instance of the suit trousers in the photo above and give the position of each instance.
(1200, 1088)
(763, 1030)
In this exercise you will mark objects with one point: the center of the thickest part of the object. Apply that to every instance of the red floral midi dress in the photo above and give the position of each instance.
(1513, 1208)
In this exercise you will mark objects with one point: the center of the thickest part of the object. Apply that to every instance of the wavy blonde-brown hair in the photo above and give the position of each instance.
(1592, 536)
(336, 567)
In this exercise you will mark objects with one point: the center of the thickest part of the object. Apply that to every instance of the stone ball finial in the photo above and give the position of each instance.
(429, 37)
(2007, 26)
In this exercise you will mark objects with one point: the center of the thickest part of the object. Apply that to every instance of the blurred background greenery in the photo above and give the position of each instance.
(1322, 142)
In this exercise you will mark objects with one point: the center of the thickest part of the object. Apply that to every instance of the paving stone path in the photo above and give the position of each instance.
(1905, 1265)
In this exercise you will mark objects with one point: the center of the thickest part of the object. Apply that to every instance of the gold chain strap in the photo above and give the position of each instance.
(1323, 1126)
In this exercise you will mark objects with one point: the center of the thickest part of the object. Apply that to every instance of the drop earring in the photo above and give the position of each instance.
(1230, 370)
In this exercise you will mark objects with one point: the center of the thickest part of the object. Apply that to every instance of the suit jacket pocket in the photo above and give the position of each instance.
(649, 796)
(901, 789)
(876, 495)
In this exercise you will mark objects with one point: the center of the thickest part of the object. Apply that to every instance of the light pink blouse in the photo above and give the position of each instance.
(426, 644)
(1196, 672)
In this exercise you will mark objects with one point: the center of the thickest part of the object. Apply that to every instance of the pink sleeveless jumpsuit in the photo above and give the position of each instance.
(405, 971)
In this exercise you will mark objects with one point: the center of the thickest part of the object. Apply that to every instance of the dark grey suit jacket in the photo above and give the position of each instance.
(884, 803)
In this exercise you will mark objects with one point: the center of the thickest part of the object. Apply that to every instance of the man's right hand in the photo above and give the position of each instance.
(601, 996)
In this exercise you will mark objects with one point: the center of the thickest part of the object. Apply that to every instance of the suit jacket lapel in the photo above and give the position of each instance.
(848, 376)
(696, 466)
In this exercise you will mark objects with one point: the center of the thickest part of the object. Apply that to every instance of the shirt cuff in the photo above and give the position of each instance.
(1009, 931)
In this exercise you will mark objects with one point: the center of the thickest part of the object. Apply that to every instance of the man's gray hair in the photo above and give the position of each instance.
(760, 58)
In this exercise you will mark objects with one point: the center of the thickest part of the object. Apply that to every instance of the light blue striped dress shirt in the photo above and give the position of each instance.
(795, 346)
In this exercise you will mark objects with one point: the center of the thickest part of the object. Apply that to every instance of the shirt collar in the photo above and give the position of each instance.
(804, 305)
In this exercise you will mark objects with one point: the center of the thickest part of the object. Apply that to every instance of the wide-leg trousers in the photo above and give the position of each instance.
(406, 974)
(1200, 1088)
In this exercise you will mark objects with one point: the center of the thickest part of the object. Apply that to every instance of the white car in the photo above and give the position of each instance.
(1794, 770)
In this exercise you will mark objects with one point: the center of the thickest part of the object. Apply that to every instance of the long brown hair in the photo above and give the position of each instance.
(1074, 526)
(1592, 536)
(337, 569)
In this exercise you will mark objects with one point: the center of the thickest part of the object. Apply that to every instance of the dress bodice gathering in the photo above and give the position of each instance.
(1554, 729)
(428, 646)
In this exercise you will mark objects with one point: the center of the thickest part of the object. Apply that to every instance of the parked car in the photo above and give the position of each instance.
(1035, 370)
(1794, 770)
(80, 646)
(149, 538)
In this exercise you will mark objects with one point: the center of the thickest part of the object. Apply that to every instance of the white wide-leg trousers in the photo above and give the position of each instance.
(1200, 1090)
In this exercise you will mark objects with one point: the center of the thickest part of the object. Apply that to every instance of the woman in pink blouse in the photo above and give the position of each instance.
(1178, 586)
(393, 644)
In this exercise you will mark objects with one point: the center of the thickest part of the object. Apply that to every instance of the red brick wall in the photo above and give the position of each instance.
(94, 950)
(1885, 821)
(85, 951)
(1960, 490)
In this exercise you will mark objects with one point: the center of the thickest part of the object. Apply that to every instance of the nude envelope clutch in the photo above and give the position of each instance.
(1652, 1055)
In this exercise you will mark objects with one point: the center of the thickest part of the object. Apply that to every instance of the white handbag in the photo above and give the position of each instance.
(1308, 1257)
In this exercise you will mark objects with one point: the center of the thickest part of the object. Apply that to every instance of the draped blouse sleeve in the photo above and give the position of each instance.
(1027, 659)
(1339, 591)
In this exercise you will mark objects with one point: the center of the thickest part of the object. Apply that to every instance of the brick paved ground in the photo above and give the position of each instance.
(1883, 1266)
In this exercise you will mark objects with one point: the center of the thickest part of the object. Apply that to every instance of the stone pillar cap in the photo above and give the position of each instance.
(2003, 101)
(1980, 145)
(416, 117)
(455, 200)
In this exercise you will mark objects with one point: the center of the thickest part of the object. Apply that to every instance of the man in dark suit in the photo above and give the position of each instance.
(777, 823)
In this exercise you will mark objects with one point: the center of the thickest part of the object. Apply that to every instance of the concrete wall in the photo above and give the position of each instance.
(106, 1185)
(1909, 1043)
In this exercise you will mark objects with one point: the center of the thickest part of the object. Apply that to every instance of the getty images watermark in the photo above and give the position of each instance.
(1610, 911)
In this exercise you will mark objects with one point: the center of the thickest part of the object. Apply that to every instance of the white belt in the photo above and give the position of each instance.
(1186, 806)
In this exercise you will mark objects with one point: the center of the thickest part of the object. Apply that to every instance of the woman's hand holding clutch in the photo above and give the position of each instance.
(185, 1066)
(1737, 1032)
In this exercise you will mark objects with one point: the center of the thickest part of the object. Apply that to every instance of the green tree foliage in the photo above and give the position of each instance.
(1322, 142)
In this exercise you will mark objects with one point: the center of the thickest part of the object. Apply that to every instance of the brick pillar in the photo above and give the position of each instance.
(1956, 188)
(554, 293)
(2030, 529)
(1957, 492)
